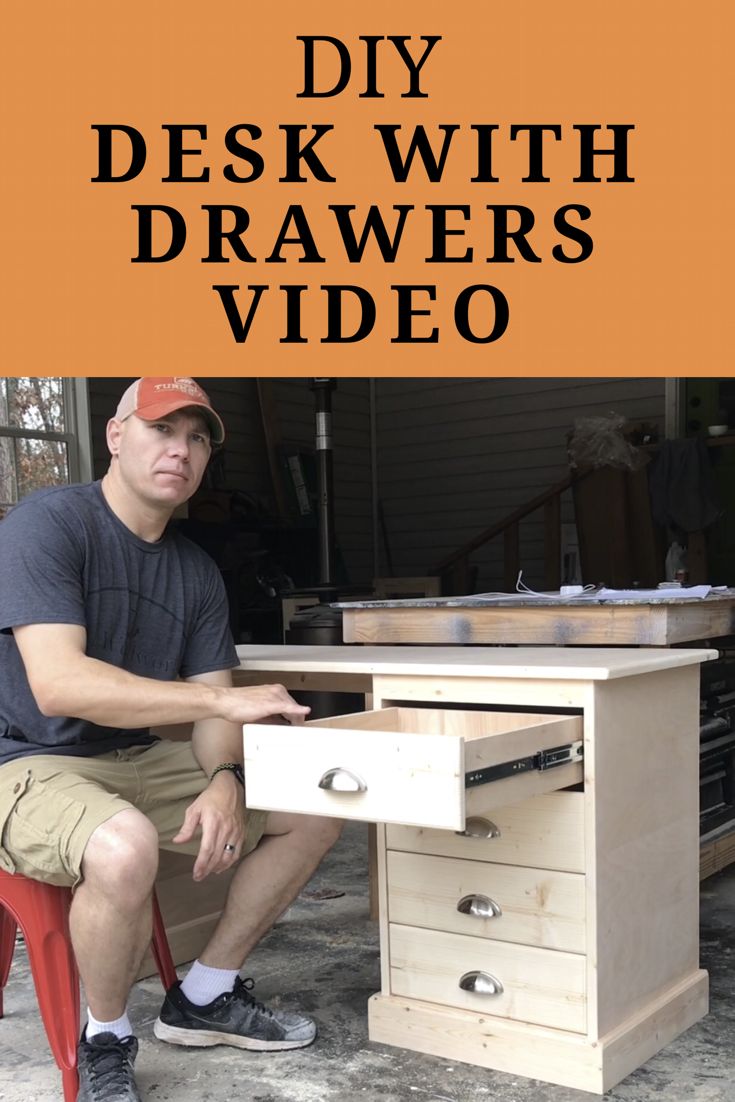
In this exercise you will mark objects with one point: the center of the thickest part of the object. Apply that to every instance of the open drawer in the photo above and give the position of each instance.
(427, 767)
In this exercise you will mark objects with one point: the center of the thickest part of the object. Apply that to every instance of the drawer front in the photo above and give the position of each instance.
(527, 906)
(406, 778)
(404, 765)
(546, 832)
(536, 985)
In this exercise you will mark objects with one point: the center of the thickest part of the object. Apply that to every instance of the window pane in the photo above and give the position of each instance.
(8, 484)
(40, 463)
(33, 403)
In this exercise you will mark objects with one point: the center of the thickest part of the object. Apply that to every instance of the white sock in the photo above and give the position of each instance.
(121, 1027)
(202, 984)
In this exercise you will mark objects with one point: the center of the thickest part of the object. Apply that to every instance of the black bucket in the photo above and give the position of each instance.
(321, 626)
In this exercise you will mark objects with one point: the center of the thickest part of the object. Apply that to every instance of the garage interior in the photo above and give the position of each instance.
(437, 487)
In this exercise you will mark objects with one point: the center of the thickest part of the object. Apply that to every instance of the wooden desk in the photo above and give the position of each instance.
(582, 961)
(526, 621)
(352, 669)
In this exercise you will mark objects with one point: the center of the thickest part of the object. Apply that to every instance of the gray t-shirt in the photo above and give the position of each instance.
(154, 609)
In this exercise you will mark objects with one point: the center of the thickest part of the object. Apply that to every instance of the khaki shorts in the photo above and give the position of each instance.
(51, 804)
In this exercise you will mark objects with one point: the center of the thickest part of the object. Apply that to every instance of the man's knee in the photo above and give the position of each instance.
(318, 832)
(332, 829)
(121, 856)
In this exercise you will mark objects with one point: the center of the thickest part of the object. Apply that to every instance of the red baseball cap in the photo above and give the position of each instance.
(153, 398)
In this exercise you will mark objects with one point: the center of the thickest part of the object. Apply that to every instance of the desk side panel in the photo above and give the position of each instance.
(642, 808)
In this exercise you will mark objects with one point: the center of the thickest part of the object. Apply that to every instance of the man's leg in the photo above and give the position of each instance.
(110, 921)
(110, 917)
(264, 885)
(72, 825)
(267, 882)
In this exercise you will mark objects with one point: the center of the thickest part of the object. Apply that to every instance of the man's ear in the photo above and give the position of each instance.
(114, 434)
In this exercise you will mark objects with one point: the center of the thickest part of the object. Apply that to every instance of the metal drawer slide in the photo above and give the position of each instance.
(539, 762)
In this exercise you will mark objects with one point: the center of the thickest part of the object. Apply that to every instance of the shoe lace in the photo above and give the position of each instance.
(109, 1070)
(242, 991)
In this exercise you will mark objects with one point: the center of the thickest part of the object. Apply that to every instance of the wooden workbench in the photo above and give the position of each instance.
(463, 621)
(540, 919)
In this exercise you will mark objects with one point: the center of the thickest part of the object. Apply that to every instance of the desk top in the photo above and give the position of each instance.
(556, 663)
(578, 623)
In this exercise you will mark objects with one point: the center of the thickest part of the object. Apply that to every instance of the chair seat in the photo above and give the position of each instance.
(42, 912)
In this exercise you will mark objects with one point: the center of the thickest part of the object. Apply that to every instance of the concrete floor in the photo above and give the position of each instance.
(323, 958)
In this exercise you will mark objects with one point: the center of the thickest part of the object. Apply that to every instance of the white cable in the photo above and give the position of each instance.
(578, 590)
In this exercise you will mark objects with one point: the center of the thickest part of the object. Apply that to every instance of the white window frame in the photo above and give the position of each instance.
(78, 433)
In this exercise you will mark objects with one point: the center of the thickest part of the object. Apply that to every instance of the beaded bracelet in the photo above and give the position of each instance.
(230, 767)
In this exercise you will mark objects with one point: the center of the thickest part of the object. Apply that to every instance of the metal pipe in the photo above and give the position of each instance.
(322, 389)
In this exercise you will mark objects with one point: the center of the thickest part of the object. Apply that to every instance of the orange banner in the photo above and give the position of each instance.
(327, 189)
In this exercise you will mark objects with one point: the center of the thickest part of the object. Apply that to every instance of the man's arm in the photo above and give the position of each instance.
(67, 682)
(220, 809)
(215, 741)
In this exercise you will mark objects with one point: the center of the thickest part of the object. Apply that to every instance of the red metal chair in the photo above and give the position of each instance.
(42, 912)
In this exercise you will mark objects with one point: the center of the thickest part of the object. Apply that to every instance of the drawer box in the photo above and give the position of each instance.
(538, 985)
(419, 766)
(529, 906)
(546, 832)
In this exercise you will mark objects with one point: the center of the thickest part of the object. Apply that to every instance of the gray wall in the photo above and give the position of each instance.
(246, 464)
(453, 456)
(458, 455)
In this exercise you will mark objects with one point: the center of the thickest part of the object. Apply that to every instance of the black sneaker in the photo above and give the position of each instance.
(234, 1018)
(105, 1066)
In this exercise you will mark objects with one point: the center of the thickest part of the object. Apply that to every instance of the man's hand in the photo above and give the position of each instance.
(253, 704)
(220, 812)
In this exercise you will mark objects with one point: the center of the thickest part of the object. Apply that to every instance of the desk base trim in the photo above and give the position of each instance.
(553, 1056)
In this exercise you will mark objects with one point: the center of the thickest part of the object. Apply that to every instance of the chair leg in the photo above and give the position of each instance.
(160, 948)
(56, 978)
(8, 928)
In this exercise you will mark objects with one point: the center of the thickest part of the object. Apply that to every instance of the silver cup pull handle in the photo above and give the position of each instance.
(481, 983)
(342, 780)
(479, 906)
(479, 828)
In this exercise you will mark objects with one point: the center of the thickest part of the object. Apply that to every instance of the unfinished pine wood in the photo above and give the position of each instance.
(305, 681)
(716, 855)
(558, 625)
(382, 864)
(642, 827)
(553, 1055)
(411, 763)
(637, 984)
(537, 906)
(641, 982)
(540, 986)
(544, 832)
(549, 663)
(408, 778)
